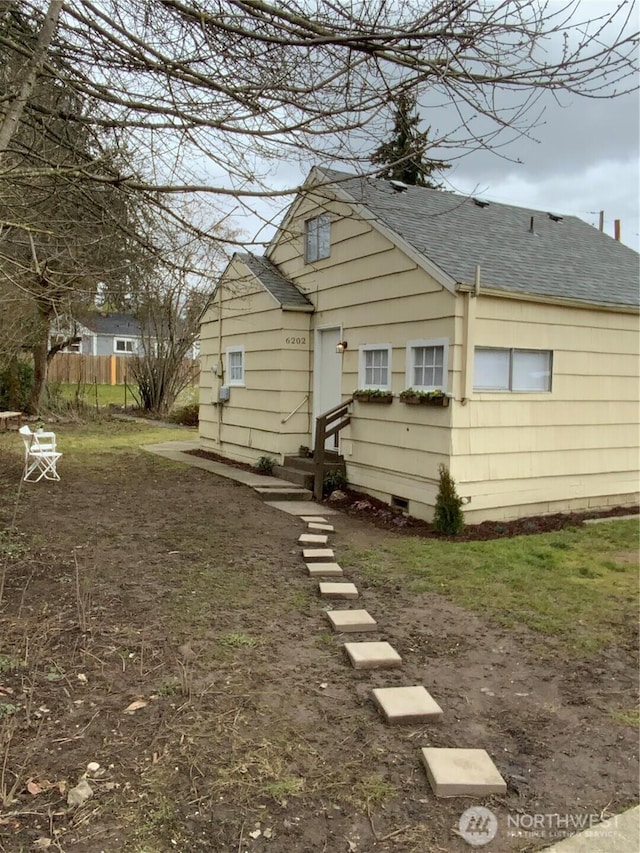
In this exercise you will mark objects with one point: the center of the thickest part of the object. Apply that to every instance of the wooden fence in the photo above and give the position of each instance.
(73, 369)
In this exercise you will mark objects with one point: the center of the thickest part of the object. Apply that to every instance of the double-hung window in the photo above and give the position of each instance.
(512, 369)
(235, 365)
(317, 238)
(427, 364)
(374, 369)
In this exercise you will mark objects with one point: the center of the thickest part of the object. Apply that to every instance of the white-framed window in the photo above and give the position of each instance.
(235, 365)
(512, 369)
(125, 345)
(374, 368)
(427, 364)
(76, 346)
(317, 238)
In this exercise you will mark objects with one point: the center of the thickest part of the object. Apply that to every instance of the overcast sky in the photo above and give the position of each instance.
(583, 157)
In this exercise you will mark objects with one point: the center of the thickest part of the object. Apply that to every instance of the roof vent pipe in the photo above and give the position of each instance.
(531, 228)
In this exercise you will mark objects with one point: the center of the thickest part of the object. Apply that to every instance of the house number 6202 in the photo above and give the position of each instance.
(295, 340)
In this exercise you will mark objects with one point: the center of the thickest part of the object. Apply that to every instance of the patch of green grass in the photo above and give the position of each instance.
(239, 641)
(627, 716)
(300, 600)
(9, 663)
(372, 790)
(580, 584)
(115, 395)
(283, 789)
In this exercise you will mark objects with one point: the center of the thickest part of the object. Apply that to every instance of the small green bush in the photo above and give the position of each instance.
(448, 518)
(333, 480)
(187, 415)
(265, 464)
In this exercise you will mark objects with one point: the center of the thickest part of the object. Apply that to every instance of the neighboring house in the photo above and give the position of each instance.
(528, 322)
(101, 334)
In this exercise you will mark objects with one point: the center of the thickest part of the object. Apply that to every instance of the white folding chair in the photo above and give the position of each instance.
(40, 455)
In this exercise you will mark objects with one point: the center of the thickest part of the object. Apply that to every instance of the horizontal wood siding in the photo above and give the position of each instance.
(277, 377)
(575, 447)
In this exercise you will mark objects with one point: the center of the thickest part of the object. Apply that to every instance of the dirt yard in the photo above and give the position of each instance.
(157, 620)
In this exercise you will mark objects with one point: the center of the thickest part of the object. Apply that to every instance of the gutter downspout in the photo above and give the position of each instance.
(468, 338)
(219, 371)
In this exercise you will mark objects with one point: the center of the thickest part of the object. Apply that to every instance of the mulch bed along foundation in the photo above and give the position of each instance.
(382, 515)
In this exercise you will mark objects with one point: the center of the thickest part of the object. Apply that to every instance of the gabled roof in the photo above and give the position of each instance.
(281, 288)
(112, 324)
(518, 250)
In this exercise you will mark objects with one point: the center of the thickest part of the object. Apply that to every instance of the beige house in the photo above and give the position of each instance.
(527, 321)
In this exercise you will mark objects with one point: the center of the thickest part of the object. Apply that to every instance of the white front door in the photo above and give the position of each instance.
(327, 377)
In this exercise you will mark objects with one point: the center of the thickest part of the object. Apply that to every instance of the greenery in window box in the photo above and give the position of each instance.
(373, 395)
(426, 398)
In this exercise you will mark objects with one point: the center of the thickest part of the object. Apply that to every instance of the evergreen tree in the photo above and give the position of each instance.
(448, 518)
(403, 157)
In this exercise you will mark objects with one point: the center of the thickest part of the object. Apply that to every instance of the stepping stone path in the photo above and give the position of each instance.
(372, 655)
(318, 555)
(406, 704)
(451, 772)
(326, 570)
(462, 773)
(312, 539)
(351, 621)
(338, 590)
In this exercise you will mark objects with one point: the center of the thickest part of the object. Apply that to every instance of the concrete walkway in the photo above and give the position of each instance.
(177, 451)
(620, 833)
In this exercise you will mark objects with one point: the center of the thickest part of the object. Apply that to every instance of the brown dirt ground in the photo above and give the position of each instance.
(164, 583)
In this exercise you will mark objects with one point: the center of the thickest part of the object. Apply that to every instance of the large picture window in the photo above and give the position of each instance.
(427, 364)
(235, 365)
(512, 369)
(318, 237)
(375, 367)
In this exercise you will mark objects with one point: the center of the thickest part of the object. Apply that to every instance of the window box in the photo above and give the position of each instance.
(373, 396)
(424, 398)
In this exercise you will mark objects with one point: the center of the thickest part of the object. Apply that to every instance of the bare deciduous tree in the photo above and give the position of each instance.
(236, 83)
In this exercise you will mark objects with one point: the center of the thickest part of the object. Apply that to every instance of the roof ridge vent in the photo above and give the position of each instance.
(399, 186)
(554, 217)
(479, 202)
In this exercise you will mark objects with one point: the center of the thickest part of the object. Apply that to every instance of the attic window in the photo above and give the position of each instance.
(318, 238)
(399, 186)
(554, 217)
(479, 203)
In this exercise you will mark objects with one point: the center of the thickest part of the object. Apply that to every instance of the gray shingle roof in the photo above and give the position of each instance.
(285, 291)
(567, 258)
(112, 324)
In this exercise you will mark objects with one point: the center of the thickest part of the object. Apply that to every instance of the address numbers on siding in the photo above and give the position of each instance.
(294, 340)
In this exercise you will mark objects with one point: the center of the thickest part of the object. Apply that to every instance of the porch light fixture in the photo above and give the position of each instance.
(341, 346)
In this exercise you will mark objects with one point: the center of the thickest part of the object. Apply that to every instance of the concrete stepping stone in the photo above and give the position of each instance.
(318, 555)
(316, 519)
(326, 570)
(351, 621)
(372, 655)
(406, 704)
(462, 772)
(312, 539)
(338, 590)
(316, 527)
